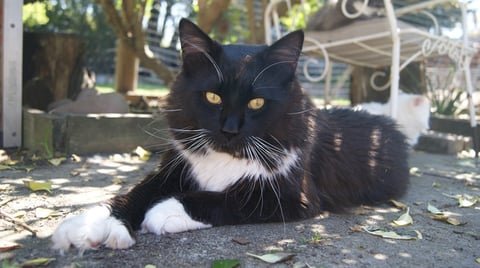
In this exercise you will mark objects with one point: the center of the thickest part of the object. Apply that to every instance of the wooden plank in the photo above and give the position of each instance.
(12, 38)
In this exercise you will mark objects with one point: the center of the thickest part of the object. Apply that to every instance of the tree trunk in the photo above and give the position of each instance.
(126, 68)
(127, 24)
(209, 13)
(53, 61)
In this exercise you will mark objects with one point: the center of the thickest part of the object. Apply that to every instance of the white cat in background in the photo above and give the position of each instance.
(413, 114)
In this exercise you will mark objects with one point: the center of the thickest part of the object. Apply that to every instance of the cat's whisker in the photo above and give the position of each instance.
(212, 61)
(197, 142)
(174, 164)
(270, 148)
(278, 142)
(268, 67)
(301, 112)
(260, 153)
(160, 134)
(187, 130)
(276, 191)
(259, 202)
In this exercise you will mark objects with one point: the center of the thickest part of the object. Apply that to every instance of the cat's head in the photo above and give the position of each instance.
(228, 95)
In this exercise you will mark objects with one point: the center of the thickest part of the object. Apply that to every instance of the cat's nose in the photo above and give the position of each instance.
(231, 126)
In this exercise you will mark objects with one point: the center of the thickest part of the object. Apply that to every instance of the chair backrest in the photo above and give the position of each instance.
(273, 28)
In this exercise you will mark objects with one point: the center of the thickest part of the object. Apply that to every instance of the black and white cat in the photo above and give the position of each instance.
(248, 146)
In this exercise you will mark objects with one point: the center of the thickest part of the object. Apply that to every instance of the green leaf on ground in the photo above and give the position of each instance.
(225, 263)
(38, 185)
(37, 262)
(3, 167)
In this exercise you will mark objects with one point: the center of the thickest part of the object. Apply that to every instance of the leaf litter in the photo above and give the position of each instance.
(38, 185)
(386, 233)
(273, 258)
(438, 215)
(404, 219)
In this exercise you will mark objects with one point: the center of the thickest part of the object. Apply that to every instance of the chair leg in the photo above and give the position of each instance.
(471, 107)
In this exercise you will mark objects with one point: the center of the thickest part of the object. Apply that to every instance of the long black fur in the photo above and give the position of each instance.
(347, 158)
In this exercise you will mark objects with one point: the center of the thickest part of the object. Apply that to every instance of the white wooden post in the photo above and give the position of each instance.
(395, 67)
(12, 44)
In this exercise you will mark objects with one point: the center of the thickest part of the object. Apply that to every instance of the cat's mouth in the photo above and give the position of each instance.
(233, 147)
(200, 140)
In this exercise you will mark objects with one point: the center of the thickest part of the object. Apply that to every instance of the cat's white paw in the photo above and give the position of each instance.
(169, 216)
(90, 230)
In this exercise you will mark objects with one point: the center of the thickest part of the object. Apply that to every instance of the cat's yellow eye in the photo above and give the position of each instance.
(213, 98)
(256, 103)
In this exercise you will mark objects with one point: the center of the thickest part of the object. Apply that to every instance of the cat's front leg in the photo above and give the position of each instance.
(205, 209)
(169, 216)
(90, 230)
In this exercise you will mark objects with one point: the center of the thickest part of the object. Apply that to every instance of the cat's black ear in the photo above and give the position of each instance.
(287, 49)
(193, 39)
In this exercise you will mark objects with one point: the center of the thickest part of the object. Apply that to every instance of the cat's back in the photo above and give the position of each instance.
(358, 158)
(348, 121)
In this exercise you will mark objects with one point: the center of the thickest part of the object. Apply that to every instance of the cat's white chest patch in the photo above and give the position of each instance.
(216, 171)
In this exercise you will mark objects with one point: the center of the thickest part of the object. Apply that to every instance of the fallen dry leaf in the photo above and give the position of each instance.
(464, 200)
(404, 219)
(43, 213)
(391, 234)
(273, 257)
(142, 153)
(38, 185)
(117, 181)
(5, 187)
(398, 204)
(57, 161)
(76, 158)
(240, 241)
(8, 246)
(432, 209)
(415, 171)
(356, 228)
(19, 214)
(449, 220)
